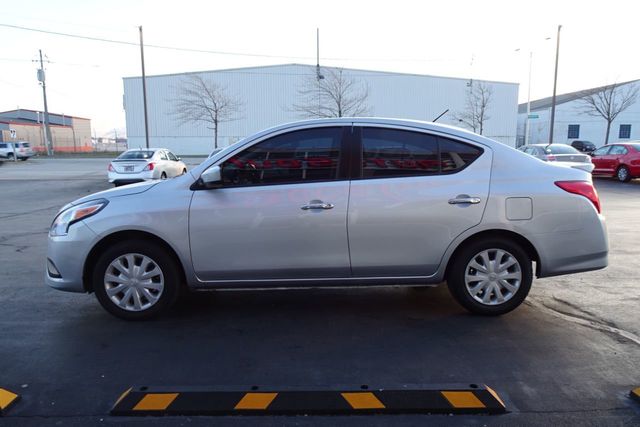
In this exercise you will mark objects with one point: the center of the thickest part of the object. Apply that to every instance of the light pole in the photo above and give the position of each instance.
(527, 123)
(555, 83)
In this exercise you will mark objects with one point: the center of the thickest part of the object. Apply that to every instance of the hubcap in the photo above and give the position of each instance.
(134, 282)
(622, 174)
(493, 277)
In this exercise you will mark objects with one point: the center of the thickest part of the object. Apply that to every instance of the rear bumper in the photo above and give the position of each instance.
(130, 178)
(573, 251)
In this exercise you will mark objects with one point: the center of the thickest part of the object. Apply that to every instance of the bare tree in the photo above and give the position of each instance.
(201, 100)
(609, 102)
(476, 107)
(332, 93)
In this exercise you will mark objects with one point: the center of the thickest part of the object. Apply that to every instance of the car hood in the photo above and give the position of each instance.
(125, 190)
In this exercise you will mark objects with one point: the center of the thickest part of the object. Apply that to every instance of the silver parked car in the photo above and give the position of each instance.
(560, 154)
(354, 202)
(20, 150)
(139, 164)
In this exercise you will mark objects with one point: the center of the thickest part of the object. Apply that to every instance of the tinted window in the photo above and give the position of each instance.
(601, 151)
(163, 155)
(301, 156)
(3, 145)
(172, 156)
(391, 152)
(456, 155)
(136, 154)
(618, 149)
(561, 149)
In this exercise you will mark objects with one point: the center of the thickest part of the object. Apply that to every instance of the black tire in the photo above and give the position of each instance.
(163, 175)
(622, 174)
(184, 171)
(10, 156)
(161, 258)
(458, 270)
(23, 158)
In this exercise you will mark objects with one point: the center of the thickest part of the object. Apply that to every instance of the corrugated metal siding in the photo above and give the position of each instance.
(269, 93)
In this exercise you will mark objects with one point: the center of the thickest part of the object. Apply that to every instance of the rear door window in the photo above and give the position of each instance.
(389, 153)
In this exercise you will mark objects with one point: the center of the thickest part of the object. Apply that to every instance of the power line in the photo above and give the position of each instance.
(221, 52)
(123, 42)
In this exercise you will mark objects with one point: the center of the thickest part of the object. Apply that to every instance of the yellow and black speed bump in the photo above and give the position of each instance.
(635, 394)
(7, 399)
(472, 399)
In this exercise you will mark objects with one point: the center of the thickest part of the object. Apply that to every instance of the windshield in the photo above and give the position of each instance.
(136, 155)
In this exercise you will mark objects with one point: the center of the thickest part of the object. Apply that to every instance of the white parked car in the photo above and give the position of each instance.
(560, 154)
(145, 164)
(20, 149)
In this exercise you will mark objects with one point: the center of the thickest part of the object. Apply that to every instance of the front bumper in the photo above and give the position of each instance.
(68, 254)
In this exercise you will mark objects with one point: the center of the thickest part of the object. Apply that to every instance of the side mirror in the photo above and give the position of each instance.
(212, 177)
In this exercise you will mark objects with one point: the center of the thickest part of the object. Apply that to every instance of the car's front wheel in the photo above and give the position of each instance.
(490, 276)
(134, 280)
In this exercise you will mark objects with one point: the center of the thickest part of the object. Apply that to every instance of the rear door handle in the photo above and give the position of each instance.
(316, 205)
(463, 199)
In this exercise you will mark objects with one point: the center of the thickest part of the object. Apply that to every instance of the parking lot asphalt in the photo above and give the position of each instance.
(569, 355)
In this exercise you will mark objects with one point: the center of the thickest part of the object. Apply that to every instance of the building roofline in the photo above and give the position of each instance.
(247, 70)
(542, 103)
(50, 113)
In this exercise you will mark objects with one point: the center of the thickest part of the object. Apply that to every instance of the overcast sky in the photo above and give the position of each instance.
(471, 39)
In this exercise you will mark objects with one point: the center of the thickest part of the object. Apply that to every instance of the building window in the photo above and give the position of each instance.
(574, 132)
(625, 132)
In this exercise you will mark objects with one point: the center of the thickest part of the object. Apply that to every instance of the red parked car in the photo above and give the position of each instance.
(620, 160)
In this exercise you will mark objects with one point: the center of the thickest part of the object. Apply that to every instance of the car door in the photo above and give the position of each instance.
(415, 193)
(615, 156)
(280, 214)
(599, 160)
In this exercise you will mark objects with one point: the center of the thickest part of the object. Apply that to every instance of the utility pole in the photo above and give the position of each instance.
(319, 76)
(144, 91)
(47, 130)
(555, 82)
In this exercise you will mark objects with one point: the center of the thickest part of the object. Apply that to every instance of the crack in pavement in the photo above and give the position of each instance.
(597, 324)
(30, 212)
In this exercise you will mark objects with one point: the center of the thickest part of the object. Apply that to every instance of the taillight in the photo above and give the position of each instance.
(149, 167)
(550, 158)
(581, 188)
(111, 169)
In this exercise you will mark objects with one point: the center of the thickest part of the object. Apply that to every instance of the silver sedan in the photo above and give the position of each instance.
(356, 202)
(138, 164)
(561, 155)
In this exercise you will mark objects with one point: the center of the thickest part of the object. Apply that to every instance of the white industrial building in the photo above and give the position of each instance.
(571, 123)
(268, 94)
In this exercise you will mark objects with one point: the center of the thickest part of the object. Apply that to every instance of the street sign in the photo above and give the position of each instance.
(13, 133)
(534, 116)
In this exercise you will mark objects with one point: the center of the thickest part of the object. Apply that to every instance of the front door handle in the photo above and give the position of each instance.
(316, 205)
(464, 199)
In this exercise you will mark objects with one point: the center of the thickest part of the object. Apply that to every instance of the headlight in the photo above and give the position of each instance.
(61, 223)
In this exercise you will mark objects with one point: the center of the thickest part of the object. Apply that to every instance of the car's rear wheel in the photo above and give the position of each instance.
(10, 156)
(134, 280)
(23, 158)
(490, 276)
(163, 176)
(622, 174)
(184, 171)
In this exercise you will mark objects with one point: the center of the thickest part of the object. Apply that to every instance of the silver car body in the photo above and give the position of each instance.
(572, 159)
(127, 171)
(380, 231)
(22, 149)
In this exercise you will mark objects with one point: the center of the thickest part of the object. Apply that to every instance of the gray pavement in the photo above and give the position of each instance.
(569, 356)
